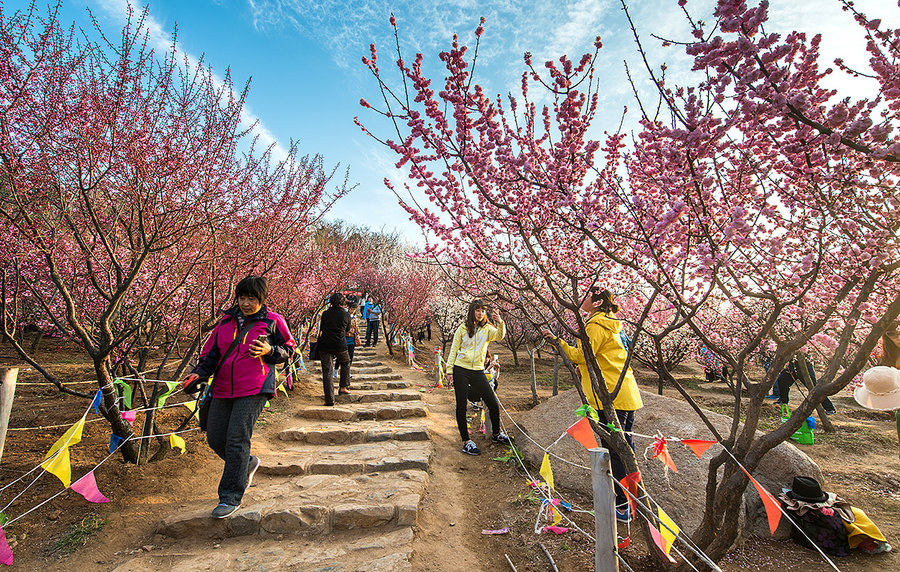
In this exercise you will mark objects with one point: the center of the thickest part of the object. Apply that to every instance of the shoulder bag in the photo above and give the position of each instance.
(205, 398)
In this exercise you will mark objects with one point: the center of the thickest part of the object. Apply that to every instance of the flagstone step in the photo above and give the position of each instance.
(356, 364)
(292, 459)
(366, 370)
(379, 385)
(361, 377)
(358, 395)
(365, 411)
(308, 505)
(360, 432)
(350, 550)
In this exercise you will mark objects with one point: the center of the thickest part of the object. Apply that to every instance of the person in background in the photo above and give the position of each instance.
(603, 331)
(244, 381)
(334, 327)
(465, 370)
(792, 372)
(353, 333)
(373, 320)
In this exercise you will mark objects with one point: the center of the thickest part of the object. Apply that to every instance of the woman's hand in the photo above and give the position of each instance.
(189, 380)
(449, 377)
(260, 347)
(495, 315)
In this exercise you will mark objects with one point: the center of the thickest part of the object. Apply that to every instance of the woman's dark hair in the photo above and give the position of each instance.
(605, 298)
(337, 299)
(470, 315)
(255, 286)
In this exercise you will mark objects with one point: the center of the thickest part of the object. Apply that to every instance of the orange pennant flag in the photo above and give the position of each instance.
(773, 511)
(698, 446)
(660, 542)
(581, 431)
(630, 483)
(660, 451)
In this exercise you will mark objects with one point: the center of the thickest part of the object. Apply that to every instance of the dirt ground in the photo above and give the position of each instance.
(466, 495)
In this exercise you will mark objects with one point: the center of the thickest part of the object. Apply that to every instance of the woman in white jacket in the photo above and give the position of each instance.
(465, 370)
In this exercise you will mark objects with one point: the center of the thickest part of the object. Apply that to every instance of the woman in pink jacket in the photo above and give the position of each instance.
(242, 382)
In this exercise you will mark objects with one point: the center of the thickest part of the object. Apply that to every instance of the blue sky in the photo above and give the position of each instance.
(303, 57)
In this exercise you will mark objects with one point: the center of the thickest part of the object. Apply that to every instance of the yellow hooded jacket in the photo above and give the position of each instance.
(469, 352)
(603, 331)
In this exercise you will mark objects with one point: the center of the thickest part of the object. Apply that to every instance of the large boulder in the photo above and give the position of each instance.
(681, 494)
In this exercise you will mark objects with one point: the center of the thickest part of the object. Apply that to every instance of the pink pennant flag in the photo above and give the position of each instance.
(773, 511)
(6, 556)
(86, 486)
(129, 415)
(698, 446)
(556, 529)
(660, 542)
(581, 431)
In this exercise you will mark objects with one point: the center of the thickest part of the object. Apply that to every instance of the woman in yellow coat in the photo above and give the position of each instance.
(604, 329)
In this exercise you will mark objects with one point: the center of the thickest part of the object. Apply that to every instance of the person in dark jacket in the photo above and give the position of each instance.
(791, 373)
(334, 328)
(243, 381)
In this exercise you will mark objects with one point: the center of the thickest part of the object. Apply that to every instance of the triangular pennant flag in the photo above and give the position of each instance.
(773, 511)
(162, 398)
(6, 556)
(581, 431)
(177, 442)
(59, 465)
(267, 404)
(660, 451)
(630, 483)
(546, 471)
(556, 515)
(86, 486)
(96, 403)
(698, 446)
(283, 389)
(669, 531)
(114, 441)
(586, 410)
(129, 416)
(69, 438)
(660, 542)
(126, 391)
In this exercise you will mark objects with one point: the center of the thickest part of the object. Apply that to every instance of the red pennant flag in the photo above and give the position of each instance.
(698, 446)
(581, 431)
(86, 486)
(624, 544)
(660, 451)
(773, 511)
(6, 555)
(660, 542)
(630, 484)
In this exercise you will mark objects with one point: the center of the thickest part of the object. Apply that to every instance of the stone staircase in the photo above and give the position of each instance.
(339, 490)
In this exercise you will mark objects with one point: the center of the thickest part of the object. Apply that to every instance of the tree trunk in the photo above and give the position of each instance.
(534, 395)
(110, 410)
(515, 356)
(807, 381)
(556, 374)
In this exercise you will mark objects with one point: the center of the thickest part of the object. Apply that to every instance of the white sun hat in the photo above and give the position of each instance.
(880, 389)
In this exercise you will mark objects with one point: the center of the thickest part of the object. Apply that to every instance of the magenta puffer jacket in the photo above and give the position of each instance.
(241, 374)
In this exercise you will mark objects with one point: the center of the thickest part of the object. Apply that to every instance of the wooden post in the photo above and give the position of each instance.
(8, 377)
(556, 364)
(605, 559)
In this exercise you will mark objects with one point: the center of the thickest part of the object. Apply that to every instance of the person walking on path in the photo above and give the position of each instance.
(334, 327)
(603, 331)
(240, 355)
(373, 320)
(353, 332)
(465, 370)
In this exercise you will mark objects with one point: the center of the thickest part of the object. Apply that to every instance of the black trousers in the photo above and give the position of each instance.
(228, 432)
(343, 359)
(471, 383)
(626, 420)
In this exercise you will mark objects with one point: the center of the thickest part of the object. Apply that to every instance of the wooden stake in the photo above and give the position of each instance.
(8, 377)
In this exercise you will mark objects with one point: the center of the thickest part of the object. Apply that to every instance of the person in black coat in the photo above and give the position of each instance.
(332, 345)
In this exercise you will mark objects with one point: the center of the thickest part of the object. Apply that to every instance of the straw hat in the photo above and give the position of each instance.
(880, 389)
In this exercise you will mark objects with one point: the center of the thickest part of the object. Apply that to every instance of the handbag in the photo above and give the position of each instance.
(313, 350)
(204, 400)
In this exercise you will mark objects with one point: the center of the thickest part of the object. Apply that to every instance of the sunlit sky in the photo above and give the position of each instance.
(303, 59)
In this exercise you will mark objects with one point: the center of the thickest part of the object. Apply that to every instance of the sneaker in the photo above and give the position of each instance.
(501, 438)
(831, 411)
(773, 396)
(224, 510)
(623, 513)
(254, 464)
(470, 448)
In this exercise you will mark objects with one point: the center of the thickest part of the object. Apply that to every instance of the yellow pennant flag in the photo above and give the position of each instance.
(557, 517)
(70, 437)
(283, 390)
(177, 442)
(667, 534)
(192, 405)
(57, 457)
(546, 471)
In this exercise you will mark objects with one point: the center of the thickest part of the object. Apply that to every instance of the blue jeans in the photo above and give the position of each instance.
(626, 420)
(228, 432)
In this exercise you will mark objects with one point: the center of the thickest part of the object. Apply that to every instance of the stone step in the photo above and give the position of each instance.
(361, 432)
(358, 395)
(354, 370)
(379, 385)
(308, 505)
(365, 411)
(295, 459)
(368, 377)
(351, 550)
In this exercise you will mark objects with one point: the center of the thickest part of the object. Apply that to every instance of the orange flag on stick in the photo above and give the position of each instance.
(630, 483)
(698, 446)
(773, 511)
(581, 431)
(660, 450)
